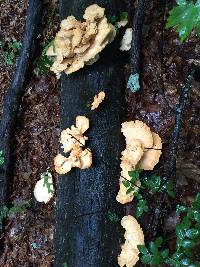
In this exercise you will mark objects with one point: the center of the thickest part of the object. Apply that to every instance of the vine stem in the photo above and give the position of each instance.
(170, 167)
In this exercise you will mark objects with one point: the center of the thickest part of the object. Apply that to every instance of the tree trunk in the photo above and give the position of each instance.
(84, 235)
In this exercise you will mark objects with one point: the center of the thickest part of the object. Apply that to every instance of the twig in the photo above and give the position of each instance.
(82, 145)
(15, 92)
(170, 166)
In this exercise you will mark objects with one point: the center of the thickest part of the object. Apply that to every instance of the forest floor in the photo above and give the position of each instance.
(28, 237)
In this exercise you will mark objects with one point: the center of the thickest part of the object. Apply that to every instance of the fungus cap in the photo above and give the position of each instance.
(151, 156)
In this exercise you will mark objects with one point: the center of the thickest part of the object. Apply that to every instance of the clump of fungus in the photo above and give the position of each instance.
(73, 141)
(143, 151)
(98, 100)
(133, 237)
(79, 43)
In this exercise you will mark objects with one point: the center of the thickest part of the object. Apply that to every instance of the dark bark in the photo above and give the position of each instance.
(84, 236)
(14, 94)
(136, 45)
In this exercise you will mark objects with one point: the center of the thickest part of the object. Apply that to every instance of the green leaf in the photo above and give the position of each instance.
(12, 52)
(196, 203)
(180, 209)
(44, 62)
(126, 184)
(146, 259)
(130, 190)
(188, 244)
(165, 253)
(185, 262)
(2, 159)
(142, 207)
(153, 183)
(112, 19)
(184, 17)
(134, 176)
(156, 261)
(123, 16)
(153, 248)
(159, 241)
(192, 233)
(196, 215)
(143, 249)
(181, 2)
(47, 176)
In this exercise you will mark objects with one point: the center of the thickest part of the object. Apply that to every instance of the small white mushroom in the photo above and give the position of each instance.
(41, 191)
(127, 39)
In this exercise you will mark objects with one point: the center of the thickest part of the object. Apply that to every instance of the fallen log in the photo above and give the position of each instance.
(14, 95)
(84, 236)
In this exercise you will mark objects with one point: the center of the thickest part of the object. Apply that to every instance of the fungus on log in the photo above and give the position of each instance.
(84, 236)
(15, 92)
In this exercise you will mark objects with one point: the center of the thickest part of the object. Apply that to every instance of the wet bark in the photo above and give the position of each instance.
(84, 235)
(136, 45)
(14, 95)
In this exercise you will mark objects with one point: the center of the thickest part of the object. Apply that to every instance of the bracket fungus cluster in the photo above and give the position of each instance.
(79, 43)
(73, 141)
(133, 237)
(143, 151)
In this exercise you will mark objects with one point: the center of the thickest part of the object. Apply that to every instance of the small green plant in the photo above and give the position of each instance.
(187, 236)
(44, 62)
(142, 206)
(115, 19)
(154, 255)
(18, 208)
(2, 159)
(12, 51)
(47, 181)
(155, 185)
(185, 17)
(130, 185)
(152, 184)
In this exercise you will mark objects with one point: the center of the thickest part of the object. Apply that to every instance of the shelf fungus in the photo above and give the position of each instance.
(78, 43)
(98, 99)
(73, 141)
(143, 151)
(133, 237)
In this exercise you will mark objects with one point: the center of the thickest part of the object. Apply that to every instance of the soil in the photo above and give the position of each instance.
(165, 63)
